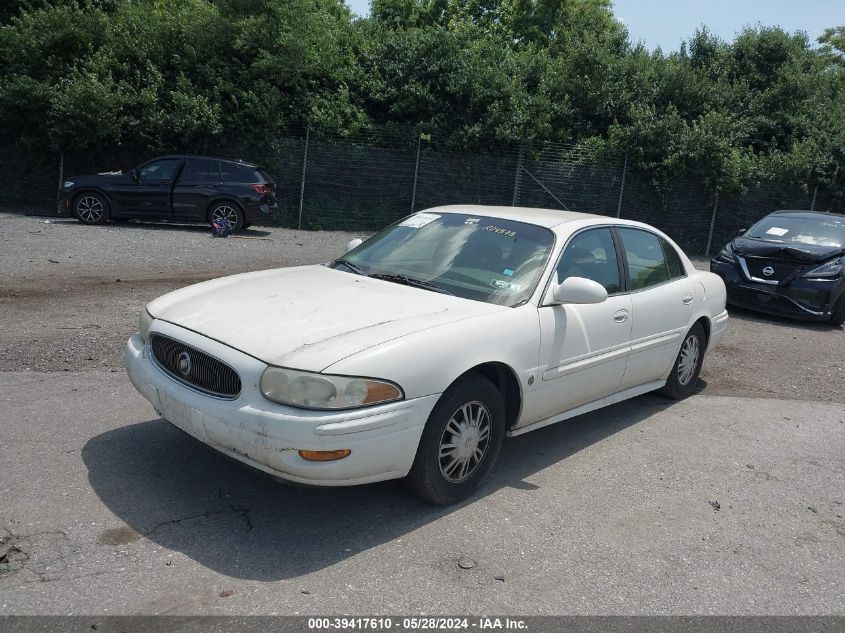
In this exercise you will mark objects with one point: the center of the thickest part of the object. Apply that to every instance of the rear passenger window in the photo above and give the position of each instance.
(591, 254)
(673, 261)
(646, 261)
(201, 170)
(234, 172)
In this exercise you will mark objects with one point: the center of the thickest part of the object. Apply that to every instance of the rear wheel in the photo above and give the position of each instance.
(91, 208)
(683, 380)
(228, 211)
(460, 442)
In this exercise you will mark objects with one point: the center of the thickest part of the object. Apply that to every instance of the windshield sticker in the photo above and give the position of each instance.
(508, 272)
(500, 231)
(419, 220)
(471, 220)
(504, 284)
(777, 231)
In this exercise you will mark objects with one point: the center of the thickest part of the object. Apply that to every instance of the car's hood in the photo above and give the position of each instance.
(806, 253)
(95, 179)
(311, 316)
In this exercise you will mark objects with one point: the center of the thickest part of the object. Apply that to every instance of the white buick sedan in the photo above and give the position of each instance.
(416, 352)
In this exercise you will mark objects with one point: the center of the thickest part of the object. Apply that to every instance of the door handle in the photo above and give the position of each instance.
(621, 316)
(687, 299)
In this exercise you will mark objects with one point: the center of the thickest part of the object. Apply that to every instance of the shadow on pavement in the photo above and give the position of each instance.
(173, 490)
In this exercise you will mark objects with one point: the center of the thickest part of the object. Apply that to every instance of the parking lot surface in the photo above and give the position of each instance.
(730, 502)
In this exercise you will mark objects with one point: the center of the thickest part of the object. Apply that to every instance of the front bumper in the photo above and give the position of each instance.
(382, 439)
(808, 299)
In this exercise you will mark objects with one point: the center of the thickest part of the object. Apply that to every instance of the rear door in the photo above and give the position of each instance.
(149, 194)
(662, 304)
(197, 183)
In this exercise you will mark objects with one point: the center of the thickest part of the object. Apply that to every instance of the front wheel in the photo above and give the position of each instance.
(683, 380)
(91, 208)
(460, 442)
(228, 211)
(838, 316)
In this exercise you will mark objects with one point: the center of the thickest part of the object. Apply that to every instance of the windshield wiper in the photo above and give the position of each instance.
(355, 268)
(410, 281)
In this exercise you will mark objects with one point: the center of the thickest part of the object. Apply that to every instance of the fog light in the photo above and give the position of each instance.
(324, 456)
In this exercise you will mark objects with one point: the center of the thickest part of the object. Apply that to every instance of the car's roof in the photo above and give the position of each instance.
(807, 215)
(541, 217)
(236, 161)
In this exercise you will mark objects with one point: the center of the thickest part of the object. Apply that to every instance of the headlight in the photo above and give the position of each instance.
(322, 391)
(833, 268)
(68, 184)
(727, 254)
(144, 323)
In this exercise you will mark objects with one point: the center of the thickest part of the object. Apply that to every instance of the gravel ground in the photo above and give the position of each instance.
(76, 313)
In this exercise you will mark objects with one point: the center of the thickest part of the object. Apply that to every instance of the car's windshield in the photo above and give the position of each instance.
(791, 229)
(470, 256)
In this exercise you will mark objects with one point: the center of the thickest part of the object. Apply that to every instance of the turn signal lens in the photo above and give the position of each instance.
(324, 456)
(145, 320)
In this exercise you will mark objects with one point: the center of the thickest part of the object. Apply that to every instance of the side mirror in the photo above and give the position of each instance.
(134, 175)
(741, 231)
(577, 290)
(353, 244)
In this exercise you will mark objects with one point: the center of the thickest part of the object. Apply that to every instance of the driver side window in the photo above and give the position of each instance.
(592, 255)
(159, 170)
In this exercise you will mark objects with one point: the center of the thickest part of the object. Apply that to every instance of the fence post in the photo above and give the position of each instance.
(813, 203)
(517, 178)
(712, 225)
(302, 184)
(622, 186)
(61, 182)
(416, 173)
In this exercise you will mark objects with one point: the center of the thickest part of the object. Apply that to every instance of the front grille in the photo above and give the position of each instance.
(195, 368)
(782, 271)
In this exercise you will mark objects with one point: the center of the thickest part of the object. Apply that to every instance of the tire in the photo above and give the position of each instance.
(683, 380)
(91, 208)
(470, 406)
(228, 210)
(838, 316)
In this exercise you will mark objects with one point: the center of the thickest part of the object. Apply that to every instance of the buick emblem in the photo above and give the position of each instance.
(768, 271)
(184, 364)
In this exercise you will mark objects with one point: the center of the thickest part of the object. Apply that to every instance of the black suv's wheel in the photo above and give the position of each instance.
(460, 443)
(91, 208)
(683, 380)
(229, 211)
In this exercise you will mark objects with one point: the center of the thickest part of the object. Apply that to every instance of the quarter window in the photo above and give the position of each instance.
(592, 255)
(646, 261)
(673, 261)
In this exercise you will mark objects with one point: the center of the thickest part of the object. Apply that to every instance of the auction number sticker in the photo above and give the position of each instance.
(419, 220)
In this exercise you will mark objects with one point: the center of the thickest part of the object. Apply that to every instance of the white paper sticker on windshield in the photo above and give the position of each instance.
(777, 231)
(419, 220)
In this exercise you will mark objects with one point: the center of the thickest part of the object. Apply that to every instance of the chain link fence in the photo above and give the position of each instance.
(365, 181)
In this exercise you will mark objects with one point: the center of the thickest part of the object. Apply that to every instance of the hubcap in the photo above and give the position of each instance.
(89, 208)
(689, 360)
(465, 441)
(225, 212)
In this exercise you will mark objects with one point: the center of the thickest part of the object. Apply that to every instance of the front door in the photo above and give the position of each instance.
(148, 195)
(583, 348)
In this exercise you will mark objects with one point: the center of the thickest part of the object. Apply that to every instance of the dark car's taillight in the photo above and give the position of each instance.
(262, 190)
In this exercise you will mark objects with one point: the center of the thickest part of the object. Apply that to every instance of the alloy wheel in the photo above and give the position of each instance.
(90, 209)
(225, 212)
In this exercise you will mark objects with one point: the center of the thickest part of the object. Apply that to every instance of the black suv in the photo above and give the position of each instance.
(176, 188)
